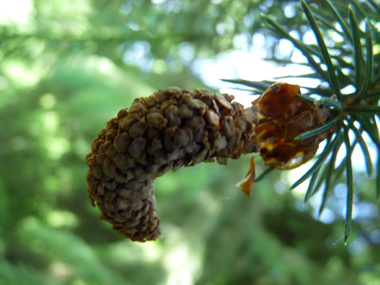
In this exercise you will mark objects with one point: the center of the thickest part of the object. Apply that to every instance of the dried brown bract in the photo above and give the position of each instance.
(283, 117)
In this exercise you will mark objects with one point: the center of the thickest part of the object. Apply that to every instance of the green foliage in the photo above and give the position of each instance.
(112, 28)
(63, 76)
(347, 110)
(22, 275)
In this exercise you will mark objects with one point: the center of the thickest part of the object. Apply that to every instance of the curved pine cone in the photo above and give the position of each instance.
(162, 132)
(174, 128)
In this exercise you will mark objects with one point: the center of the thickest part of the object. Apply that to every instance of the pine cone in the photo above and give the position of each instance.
(174, 128)
(167, 130)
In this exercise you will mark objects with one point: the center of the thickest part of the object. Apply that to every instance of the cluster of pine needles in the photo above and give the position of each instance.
(348, 63)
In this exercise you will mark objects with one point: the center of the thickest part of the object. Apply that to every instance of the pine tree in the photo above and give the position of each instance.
(351, 62)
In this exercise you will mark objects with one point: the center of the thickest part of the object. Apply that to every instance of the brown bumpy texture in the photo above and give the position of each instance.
(174, 128)
(167, 130)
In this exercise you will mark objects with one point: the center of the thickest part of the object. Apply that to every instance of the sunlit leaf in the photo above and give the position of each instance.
(299, 45)
(314, 50)
(329, 147)
(370, 127)
(318, 129)
(321, 179)
(328, 102)
(359, 61)
(342, 166)
(368, 65)
(339, 19)
(310, 188)
(322, 45)
(330, 171)
(307, 99)
(262, 85)
(375, 5)
(325, 92)
(308, 75)
(363, 146)
(345, 80)
(328, 24)
(367, 109)
(350, 185)
(286, 61)
(358, 8)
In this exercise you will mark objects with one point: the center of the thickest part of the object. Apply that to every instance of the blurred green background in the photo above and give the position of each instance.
(66, 68)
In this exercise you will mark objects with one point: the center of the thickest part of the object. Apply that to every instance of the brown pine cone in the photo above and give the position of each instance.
(174, 128)
(167, 130)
